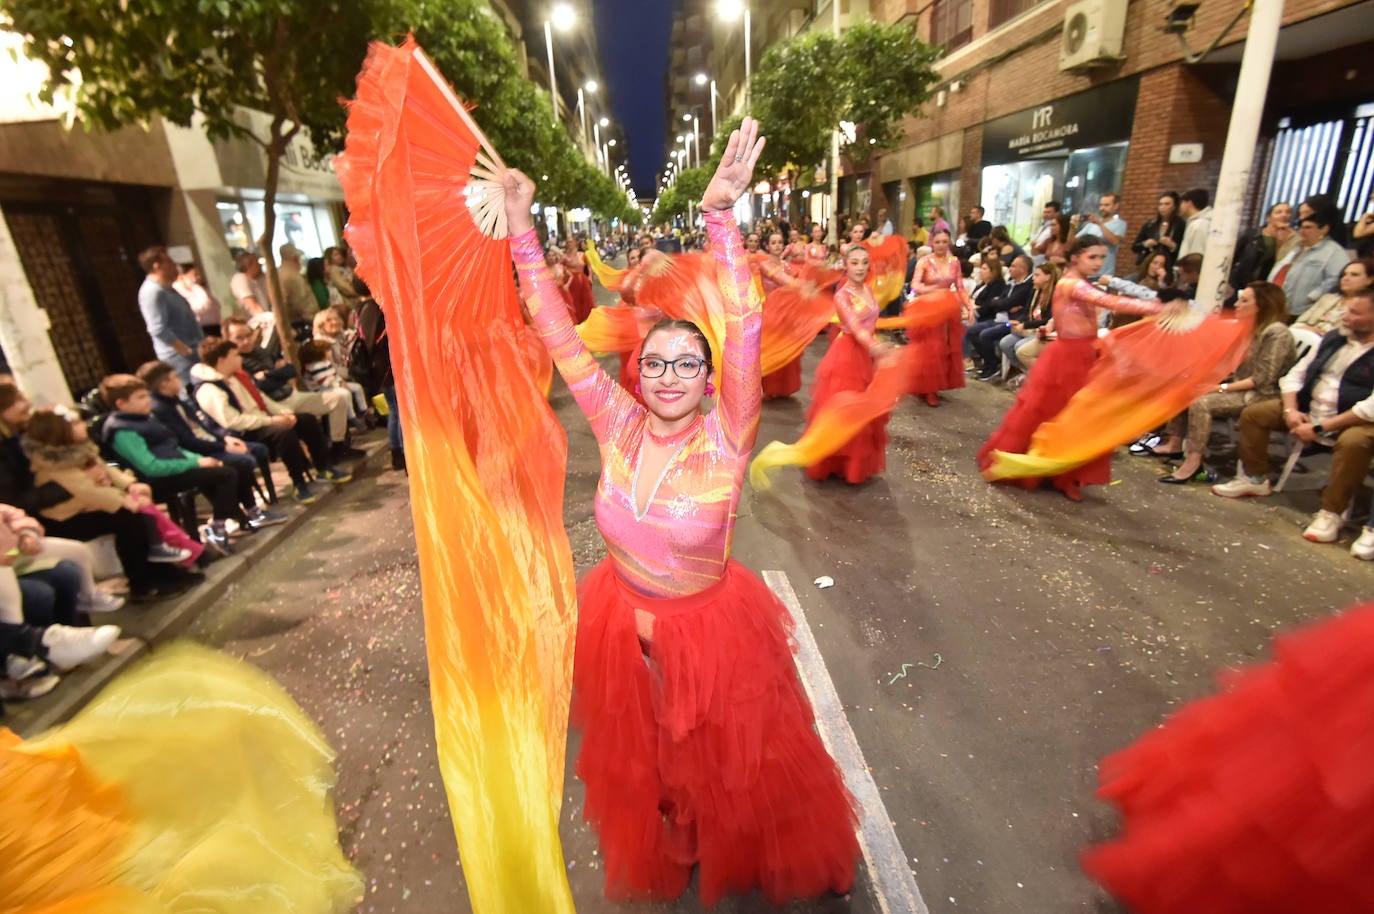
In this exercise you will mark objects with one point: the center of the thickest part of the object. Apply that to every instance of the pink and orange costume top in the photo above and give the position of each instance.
(692, 509)
(699, 746)
(848, 367)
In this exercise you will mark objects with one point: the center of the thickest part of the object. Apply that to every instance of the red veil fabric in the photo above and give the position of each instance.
(487, 461)
(1260, 799)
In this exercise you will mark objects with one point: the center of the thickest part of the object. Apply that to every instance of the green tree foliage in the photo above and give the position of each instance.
(684, 194)
(873, 75)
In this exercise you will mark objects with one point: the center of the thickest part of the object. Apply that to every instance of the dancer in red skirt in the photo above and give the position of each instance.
(1063, 368)
(776, 273)
(698, 743)
(1260, 799)
(848, 366)
(941, 365)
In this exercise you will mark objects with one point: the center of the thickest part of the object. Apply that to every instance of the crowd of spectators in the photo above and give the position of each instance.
(173, 464)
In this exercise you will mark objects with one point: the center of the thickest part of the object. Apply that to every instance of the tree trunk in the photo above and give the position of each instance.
(276, 147)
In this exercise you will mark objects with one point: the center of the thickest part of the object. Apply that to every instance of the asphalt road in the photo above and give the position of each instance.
(988, 646)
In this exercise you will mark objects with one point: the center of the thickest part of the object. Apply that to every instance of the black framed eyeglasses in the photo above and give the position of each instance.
(687, 367)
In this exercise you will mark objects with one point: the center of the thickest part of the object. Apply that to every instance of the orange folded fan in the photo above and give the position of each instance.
(487, 460)
(1146, 373)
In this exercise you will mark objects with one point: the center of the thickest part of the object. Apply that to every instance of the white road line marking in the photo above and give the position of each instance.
(887, 863)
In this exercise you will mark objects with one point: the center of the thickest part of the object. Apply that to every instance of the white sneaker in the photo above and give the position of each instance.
(103, 602)
(1363, 547)
(1325, 527)
(1241, 487)
(69, 647)
(33, 687)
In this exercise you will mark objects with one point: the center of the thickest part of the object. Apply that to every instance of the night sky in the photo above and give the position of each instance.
(633, 37)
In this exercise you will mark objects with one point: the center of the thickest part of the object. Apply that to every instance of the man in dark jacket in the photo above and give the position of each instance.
(997, 315)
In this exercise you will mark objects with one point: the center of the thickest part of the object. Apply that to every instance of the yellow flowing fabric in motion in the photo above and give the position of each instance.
(846, 413)
(608, 276)
(888, 268)
(487, 460)
(192, 784)
(1146, 373)
(610, 329)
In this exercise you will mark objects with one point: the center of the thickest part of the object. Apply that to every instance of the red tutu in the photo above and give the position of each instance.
(785, 381)
(580, 295)
(704, 752)
(848, 366)
(1058, 374)
(1259, 800)
(940, 365)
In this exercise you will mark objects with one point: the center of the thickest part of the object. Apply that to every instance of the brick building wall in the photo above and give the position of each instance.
(1016, 66)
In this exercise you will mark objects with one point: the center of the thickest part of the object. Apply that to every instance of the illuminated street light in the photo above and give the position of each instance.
(729, 11)
(562, 17)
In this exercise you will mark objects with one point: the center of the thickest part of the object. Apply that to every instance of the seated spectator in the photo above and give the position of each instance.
(1028, 337)
(988, 289)
(1187, 271)
(134, 534)
(1271, 355)
(28, 649)
(151, 449)
(228, 394)
(996, 320)
(1314, 267)
(1325, 315)
(49, 551)
(1001, 244)
(320, 373)
(61, 454)
(1156, 273)
(275, 377)
(1328, 399)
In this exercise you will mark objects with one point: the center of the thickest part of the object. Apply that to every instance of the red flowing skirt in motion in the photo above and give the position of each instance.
(848, 366)
(580, 295)
(1059, 373)
(704, 752)
(940, 365)
(784, 382)
(1259, 800)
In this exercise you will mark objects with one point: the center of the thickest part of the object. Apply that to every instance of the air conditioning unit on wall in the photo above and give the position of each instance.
(1093, 34)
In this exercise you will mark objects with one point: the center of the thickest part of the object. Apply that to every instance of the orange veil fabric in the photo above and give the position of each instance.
(888, 269)
(847, 413)
(487, 460)
(1146, 373)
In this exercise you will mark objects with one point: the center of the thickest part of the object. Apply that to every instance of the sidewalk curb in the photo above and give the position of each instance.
(165, 622)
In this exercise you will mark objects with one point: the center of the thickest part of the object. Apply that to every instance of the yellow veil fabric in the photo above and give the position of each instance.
(487, 460)
(193, 783)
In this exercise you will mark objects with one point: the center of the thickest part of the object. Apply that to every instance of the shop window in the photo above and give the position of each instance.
(1333, 157)
(1000, 11)
(951, 23)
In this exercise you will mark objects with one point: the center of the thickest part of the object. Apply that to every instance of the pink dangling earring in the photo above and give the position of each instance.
(710, 389)
(637, 392)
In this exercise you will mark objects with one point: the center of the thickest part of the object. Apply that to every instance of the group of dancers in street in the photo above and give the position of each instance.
(699, 753)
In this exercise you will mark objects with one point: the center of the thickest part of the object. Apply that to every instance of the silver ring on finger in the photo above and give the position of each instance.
(739, 158)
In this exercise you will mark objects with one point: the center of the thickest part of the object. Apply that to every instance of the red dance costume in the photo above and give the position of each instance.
(1258, 800)
(1059, 373)
(699, 745)
(940, 365)
(848, 366)
(787, 380)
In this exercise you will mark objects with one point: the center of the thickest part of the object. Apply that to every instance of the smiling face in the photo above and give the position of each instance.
(1280, 215)
(668, 396)
(856, 264)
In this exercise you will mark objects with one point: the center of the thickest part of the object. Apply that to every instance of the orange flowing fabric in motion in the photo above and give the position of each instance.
(610, 329)
(487, 460)
(888, 268)
(846, 413)
(1145, 374)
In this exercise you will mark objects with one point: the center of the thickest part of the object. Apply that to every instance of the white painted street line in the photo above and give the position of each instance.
(887, 863)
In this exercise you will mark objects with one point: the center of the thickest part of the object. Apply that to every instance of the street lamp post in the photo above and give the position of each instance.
(563, 17)
(729, 10)
(582, 107)
(701, 80)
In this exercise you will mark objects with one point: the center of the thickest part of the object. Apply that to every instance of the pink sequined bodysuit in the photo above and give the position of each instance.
(1076, 302)
(858, 312)
(679, 545)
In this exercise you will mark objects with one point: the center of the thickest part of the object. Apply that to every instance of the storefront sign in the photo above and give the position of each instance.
(1093, 118)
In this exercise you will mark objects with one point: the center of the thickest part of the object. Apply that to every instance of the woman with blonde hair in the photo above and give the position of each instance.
(1272, 353)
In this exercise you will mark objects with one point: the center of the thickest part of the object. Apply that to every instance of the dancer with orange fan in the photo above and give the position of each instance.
(487, 460)
(940, 366)
(698, 742)
(1060, 374)
(1259, 799)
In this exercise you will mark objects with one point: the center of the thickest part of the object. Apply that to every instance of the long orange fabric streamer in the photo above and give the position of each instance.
(888, 268)
(487, 460)
(1145, 375)
(846, 413)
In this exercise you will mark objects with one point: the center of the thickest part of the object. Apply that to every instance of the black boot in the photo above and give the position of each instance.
(398, 459)
(341, 450)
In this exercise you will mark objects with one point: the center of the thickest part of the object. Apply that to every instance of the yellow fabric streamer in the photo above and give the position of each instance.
(487, 460)
(608, 276)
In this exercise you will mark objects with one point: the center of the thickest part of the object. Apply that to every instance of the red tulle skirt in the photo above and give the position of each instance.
(1259, 800)
(703, 752)
(1059, 373)
(785, 381)
(580, 293)
(848, 366)
(940, 362)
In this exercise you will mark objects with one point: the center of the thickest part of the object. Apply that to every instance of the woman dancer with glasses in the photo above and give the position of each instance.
(698, 743)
